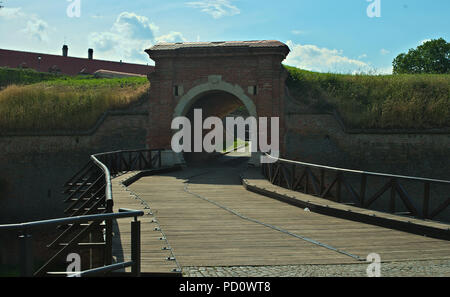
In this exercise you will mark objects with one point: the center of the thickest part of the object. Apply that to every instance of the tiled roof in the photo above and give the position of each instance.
(218, 44)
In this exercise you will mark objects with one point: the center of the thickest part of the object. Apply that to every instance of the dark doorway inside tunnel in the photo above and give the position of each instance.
(222, 105)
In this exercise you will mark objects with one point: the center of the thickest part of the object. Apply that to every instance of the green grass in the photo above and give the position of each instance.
(65, 103)
(10, 76)
(376, 101)
(90, 82)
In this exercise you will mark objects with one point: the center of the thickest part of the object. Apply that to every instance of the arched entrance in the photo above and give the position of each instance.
(216, 99)
(215, 85)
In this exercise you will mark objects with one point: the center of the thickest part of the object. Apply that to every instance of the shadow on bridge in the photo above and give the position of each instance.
(226, 168)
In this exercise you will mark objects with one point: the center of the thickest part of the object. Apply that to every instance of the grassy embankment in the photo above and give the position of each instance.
(376, 101)
(32, 101)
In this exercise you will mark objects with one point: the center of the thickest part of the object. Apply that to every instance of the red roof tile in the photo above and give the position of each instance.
(249, 44)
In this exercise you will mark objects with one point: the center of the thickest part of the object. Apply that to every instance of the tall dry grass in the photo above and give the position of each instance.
(66, 105)
(377, 101)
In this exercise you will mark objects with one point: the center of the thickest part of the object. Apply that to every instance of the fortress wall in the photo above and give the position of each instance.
(320, 139)
(34, 168)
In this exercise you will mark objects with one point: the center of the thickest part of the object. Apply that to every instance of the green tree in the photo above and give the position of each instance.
(431, 57)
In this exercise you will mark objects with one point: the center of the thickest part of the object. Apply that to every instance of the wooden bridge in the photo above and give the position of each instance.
(223, 213)
(204, 216)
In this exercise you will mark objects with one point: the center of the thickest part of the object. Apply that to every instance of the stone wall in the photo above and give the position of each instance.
(33, 168)
(321, 139)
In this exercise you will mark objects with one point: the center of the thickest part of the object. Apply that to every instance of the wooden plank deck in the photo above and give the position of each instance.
(209, 219)
(153, 256)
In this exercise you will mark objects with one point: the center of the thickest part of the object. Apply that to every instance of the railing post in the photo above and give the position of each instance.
(392, 202)
(306, 180)
(129, 161)
(139, 162)
(362, 193)
(322, 181)
(269, 170)
(292, 176)
(136, 247)
(108, 234)
(426, 200)
(338, 187)
(120, 157)
(159, 159)
(26, 255)
(152, 154)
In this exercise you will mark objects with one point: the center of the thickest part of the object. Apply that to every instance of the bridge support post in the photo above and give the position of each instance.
(426, 201)
(26, 252)
(136, 247)
(108, 234)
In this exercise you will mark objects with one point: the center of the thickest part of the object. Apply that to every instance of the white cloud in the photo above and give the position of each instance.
(384, 51)
(298, 32)
(312, 58)
(215, 8)
(35, 28)
(135, 26)
(363, 56)
(171, 37)
(11, 13)
(128, 37)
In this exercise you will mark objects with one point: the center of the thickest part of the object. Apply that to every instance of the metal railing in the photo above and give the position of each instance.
(95, 178)
(26, 251)
(329, 182)
(90, 199)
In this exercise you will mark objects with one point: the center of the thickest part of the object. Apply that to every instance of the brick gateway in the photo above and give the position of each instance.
(217, 77)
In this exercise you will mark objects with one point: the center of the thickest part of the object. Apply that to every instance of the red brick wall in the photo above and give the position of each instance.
(67, 65)
(265, 71)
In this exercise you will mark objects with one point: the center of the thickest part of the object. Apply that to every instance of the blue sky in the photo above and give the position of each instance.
(324, 35)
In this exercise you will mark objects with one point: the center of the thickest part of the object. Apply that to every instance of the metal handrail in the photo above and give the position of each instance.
(359, 171)
(123, 213)
(105, 170)
(283, 173)
(105, 269)
(107, 214)
(26, 265)
(127, 151)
